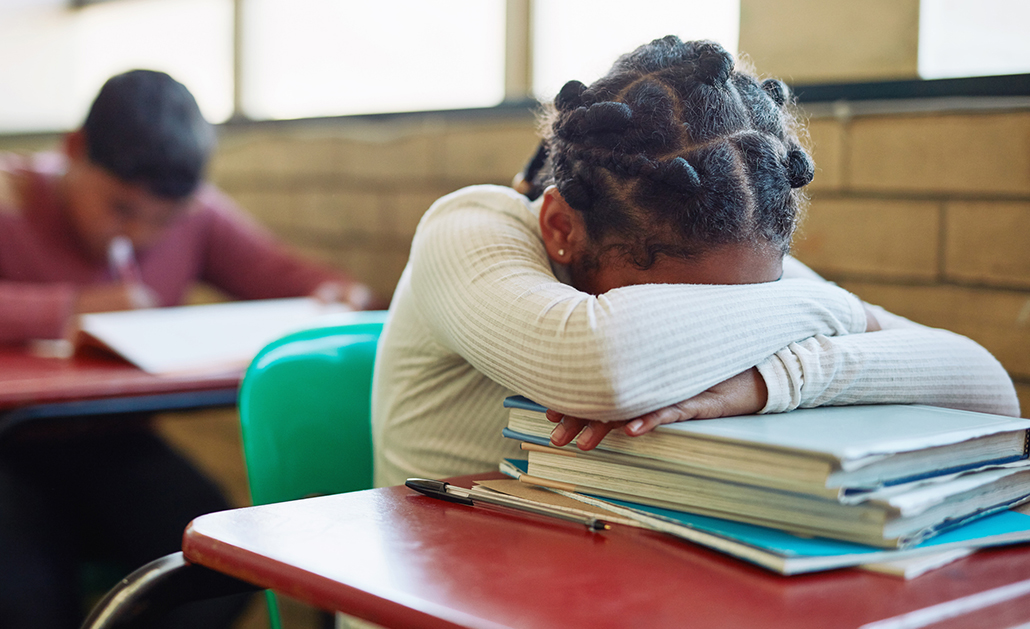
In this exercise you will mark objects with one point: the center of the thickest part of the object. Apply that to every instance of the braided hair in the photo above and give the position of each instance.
(675, 151)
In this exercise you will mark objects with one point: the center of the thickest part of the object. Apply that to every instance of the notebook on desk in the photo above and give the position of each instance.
(827, 452)
(786, 553)
(813, 489)
(211, 338)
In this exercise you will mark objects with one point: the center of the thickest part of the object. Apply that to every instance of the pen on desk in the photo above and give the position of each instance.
(452, 493)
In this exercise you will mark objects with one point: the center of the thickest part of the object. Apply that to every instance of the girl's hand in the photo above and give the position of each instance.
(743, 394)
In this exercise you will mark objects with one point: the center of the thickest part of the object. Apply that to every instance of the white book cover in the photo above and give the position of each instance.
(207, 338)
(854, 435)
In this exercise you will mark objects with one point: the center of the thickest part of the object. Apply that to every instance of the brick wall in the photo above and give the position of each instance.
(928, 215)
(351, 192)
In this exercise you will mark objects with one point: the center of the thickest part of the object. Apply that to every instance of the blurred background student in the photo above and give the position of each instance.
(121, 219)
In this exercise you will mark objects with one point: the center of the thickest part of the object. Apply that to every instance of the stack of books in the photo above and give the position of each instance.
(883, 478)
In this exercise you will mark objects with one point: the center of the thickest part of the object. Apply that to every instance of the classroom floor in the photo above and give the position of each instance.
(211, 439)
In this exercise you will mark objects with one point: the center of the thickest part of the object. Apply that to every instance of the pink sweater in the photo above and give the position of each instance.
(41, 265)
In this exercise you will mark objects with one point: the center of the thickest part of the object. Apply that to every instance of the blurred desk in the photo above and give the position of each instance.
(95, 383)
(405, 560)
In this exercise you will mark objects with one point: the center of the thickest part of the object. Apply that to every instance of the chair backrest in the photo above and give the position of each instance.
(305, 410)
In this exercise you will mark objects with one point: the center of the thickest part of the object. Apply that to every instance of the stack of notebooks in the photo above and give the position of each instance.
(839, 485)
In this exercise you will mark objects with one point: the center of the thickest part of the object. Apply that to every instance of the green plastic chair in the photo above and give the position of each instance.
(305, 413)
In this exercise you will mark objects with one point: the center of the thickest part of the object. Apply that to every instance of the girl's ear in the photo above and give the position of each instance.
(561, 227)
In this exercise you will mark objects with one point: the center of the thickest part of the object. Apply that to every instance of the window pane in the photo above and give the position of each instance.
(306, 58)
(605, 29)
(973, 38)
(63, 56)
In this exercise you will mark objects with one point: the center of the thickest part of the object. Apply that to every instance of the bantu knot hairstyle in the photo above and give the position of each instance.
(675, 151)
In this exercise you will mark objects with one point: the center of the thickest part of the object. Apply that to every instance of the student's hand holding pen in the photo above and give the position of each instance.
(355, 295)
(743, 394)
(114, 296)
(127, 290)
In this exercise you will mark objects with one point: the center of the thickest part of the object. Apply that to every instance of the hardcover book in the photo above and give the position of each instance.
(888, 476)
(823, 451)
(787, 553)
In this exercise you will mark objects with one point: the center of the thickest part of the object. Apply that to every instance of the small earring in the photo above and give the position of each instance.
(561, 253)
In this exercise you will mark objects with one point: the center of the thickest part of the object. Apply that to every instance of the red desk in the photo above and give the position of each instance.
(405, 560)
(96, 383)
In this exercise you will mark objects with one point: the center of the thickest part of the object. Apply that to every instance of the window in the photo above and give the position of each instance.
(605, 29)
(960, 38)
(308, 58)
(57, 58)
(304, 58)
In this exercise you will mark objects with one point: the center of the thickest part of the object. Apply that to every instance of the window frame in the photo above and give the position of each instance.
(1010, 91)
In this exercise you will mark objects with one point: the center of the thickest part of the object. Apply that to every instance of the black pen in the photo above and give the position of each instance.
(451, 493)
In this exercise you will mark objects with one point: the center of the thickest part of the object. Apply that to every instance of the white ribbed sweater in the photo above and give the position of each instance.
(480, 314)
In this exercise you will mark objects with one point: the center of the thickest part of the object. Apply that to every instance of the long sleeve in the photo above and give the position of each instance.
(247, 261)
(485, 288)
(34, 311)
(904, 363)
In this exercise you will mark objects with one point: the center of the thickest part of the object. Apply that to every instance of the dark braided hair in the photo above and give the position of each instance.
(675, 151)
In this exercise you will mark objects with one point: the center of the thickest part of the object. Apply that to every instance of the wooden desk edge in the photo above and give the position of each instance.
(319, 591)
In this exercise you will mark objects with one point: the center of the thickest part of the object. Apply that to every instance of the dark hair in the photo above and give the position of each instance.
(145, 127)
(674, 151)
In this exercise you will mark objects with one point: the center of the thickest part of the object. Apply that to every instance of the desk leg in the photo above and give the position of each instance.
(161, 585)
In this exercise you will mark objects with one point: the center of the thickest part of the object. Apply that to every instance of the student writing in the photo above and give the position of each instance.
(121, 219)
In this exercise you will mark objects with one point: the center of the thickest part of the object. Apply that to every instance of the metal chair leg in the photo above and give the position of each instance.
(151, 591)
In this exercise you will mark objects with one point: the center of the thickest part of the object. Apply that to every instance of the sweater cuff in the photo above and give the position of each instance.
(784, 379)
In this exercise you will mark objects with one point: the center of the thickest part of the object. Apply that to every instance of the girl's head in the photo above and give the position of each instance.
(673, 157)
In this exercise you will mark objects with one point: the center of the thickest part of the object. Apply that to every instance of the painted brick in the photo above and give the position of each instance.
(868, 237)
(808, 41)
(976, 153)
(306, 156)
(272, 208)
(405, 209)
(340, 213)
(380, 268)
(997, 319)
(988, 243)
(487, 154)
(279, 155)
(314, 213)
(386, 271)
(827, 144)
(405, 157)
(1023, 391)
(322, 255)
(26, 144)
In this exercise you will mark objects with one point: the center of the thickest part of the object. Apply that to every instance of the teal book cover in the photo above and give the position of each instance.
(786, 553)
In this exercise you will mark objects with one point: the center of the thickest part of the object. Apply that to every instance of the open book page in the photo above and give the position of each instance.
(211, 338)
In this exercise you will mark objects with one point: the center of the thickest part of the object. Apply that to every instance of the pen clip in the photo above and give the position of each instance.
(435, 489)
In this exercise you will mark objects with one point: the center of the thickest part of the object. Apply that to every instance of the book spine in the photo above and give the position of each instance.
(1026, 444)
